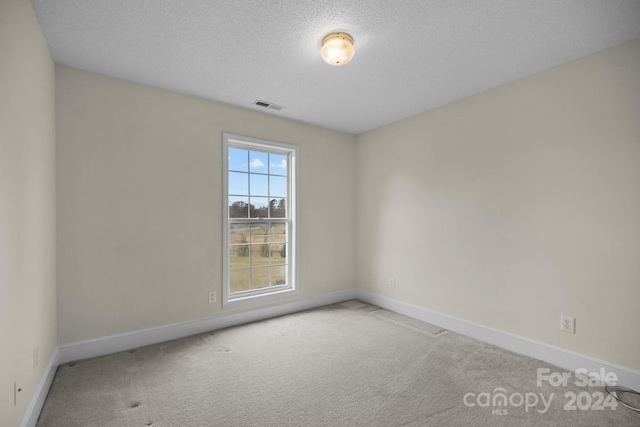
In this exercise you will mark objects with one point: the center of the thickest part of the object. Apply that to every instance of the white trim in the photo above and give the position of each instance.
(230, 140)
(126, 341)
(32, 413)
(238, 301)
(551, 354)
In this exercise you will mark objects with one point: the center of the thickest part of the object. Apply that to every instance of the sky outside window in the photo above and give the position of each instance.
(257, 177)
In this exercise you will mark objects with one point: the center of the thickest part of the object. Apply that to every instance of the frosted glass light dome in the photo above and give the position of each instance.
(337, 49)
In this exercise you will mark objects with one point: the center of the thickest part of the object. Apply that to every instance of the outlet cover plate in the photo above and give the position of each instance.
(568, 324)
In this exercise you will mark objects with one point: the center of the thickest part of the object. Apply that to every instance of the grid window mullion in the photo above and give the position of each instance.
(269, 200)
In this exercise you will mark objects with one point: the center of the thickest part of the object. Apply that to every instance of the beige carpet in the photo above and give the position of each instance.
(349, 364)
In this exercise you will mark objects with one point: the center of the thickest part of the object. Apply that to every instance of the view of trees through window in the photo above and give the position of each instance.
(258, 219)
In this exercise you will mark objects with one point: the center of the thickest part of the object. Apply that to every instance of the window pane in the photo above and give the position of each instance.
(278, 208)
(260, 254)
(278, 232)
(238, 160)
(239, 256)
(259, 185)
(238, 183)
(277, 186)
(278, 164)
(239, 280)
(238, 233)
(238, 207)
(278, 254)
(259, 232)
(260, 277)
(258, 208)
(279, 275)
(258, 162)
(238, 250)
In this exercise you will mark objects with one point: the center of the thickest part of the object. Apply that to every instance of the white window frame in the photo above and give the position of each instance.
(243, 142)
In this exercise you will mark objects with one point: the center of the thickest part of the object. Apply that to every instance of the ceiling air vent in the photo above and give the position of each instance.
(270, 105)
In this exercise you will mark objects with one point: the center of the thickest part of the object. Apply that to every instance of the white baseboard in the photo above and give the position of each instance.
(554, 355)
(32, 413)
(126, 341)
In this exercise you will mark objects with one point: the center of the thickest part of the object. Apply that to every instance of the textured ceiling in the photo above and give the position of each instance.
(411, 55)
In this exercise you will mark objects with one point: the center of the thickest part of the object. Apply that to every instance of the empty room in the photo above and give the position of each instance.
(319, 213)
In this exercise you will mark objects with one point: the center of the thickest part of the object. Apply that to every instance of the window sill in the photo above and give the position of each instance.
(236, 301)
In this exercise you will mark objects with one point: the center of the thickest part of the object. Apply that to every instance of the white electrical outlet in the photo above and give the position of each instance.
(568, 324)
(212, 297)
(392, 283)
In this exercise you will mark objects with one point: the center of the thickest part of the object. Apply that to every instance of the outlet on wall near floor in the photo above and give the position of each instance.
(568, 324)
(392, 283)
(212, 297)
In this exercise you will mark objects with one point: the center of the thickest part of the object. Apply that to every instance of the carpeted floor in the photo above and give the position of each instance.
(349, 364)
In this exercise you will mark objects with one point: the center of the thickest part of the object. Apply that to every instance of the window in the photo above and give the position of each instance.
(259, 219)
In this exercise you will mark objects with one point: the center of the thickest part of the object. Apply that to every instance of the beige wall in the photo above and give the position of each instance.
(515, 206)
(27, 206)
(140, 204)
(507, 209)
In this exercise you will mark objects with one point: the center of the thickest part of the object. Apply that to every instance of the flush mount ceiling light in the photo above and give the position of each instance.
(337, 49)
